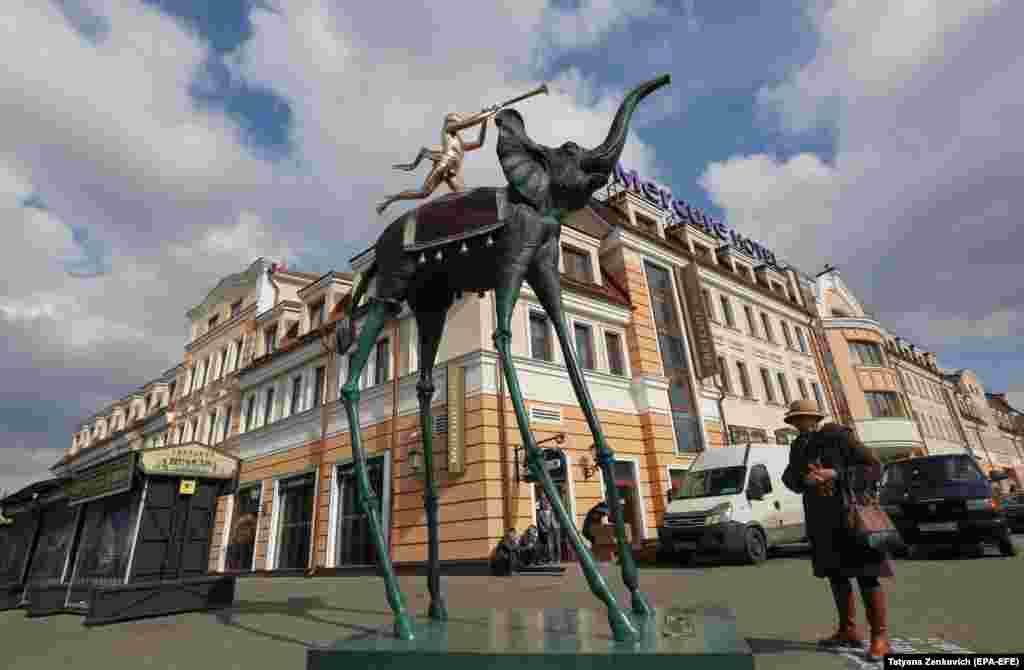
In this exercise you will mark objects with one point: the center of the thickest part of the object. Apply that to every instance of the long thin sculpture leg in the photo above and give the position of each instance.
(430, 324)
(505, 298)
(546, 285)
(375, 318)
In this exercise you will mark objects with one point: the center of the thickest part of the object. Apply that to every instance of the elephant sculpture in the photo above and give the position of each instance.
(479, 240)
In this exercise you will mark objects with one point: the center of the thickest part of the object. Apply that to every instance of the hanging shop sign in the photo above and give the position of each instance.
(104, 480)
(193, 460)
(554, 462)
(703, 339)
(686, 213)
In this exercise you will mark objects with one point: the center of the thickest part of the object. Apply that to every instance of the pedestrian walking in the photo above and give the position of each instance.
(822, 463)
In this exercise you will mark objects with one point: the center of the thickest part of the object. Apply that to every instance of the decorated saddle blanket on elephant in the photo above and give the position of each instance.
(454, 217)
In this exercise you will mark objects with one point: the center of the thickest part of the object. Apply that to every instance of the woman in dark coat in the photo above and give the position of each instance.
(821, 463)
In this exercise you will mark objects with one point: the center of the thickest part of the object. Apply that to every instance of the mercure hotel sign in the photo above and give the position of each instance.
(685, 213)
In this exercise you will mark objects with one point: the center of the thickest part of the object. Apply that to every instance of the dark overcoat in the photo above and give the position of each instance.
(834, 553)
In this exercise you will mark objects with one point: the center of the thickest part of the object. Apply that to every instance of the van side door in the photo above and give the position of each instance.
(766, 509)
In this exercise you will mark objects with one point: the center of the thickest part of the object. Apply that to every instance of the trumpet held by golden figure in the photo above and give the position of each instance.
(447, 158)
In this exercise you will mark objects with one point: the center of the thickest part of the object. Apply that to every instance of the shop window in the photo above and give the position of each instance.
(355, 544)
(540, 337)
(584, 345)
(577, 264)
(55, 536)
(242, 537)
(295, 496)
(106, 541)
(883, 404)
(616, 361)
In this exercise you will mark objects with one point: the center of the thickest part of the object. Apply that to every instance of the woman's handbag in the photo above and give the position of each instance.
(869, 524)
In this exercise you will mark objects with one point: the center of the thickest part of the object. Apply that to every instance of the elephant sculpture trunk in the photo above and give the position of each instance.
(602, 159)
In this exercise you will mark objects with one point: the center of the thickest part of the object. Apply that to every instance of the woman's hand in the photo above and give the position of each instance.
(819, 475)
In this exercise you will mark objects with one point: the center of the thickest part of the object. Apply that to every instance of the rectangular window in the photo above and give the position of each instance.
(723, 376)
(730, 319)
(784, 387)
(817, 396)
(296, 520)
(316, 314)
(211, 423)
(751, 325)
(540, 337)
(584, 346)
(296, 395)
(194, 430)
(866, 353)
(270, 339)
(222, 367)
(786, 334)
(708, 306)
(768, 333)
(741, 367)
(226, 427)
(800, 338)
(206, 372)
(766, 380)
(616, 361)
(171, 389)
(577, 264)
(382, 361)
(803, 388)
(318, 385)
(236, 308)
(883, 404)
(236, 359)
(268, 406)
(249, 412)
(212, 322)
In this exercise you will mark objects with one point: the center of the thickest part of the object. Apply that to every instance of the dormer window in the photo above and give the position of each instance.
(577, 264)
(236, 308)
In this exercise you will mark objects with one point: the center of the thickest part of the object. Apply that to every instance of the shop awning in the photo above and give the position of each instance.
(31, 492)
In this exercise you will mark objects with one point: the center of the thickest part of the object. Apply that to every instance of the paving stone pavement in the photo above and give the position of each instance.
(938, 602)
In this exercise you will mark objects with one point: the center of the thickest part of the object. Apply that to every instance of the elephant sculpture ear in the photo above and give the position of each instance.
(523, 161)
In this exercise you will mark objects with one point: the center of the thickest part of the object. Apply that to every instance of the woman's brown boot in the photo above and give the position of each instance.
(846, 605)
(878, 618)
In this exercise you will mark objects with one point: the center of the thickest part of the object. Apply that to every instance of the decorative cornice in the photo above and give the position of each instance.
(249, 277)
(220, 329)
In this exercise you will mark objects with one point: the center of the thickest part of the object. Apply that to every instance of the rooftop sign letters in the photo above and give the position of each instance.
(685, 213)
(194, 460)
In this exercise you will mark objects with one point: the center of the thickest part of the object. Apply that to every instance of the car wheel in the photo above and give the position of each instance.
(1007, 547)
(755, 549)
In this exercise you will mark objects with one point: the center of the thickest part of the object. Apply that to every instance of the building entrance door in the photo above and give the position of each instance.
(175, 531)
(355, 546)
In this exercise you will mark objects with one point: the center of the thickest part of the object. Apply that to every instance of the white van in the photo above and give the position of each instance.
(733, 503)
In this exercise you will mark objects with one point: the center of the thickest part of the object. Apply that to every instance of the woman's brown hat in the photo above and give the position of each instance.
(802, 408)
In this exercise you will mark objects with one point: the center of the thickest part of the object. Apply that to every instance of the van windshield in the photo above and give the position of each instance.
(932, 471)
(712, 482)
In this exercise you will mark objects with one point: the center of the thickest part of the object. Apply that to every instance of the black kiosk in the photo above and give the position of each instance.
(21, 516)
(130, 538)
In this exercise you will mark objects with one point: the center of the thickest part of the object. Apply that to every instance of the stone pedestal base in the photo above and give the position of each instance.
(703, 637)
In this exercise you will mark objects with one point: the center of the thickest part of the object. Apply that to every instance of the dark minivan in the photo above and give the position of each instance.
(944, 499)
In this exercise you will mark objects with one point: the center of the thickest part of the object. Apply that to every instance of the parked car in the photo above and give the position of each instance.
(945, 499)
(1013, 507)
(732, 503)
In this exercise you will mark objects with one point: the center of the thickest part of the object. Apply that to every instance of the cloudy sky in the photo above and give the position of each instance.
(149, 148)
